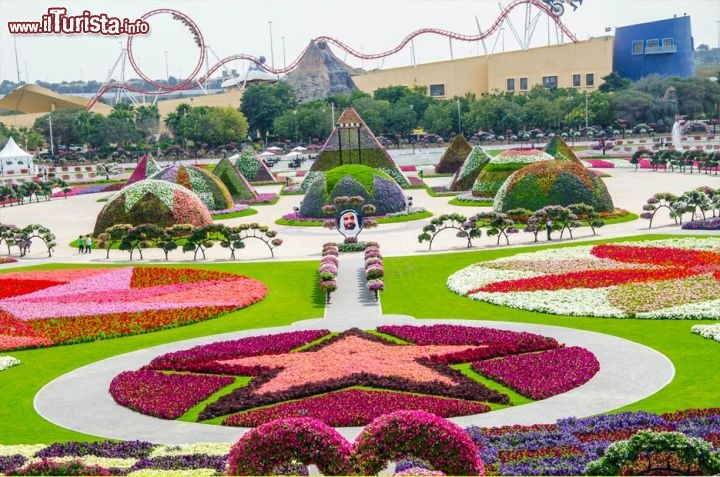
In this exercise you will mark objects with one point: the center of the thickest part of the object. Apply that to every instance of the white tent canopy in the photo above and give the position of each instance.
(13, 160)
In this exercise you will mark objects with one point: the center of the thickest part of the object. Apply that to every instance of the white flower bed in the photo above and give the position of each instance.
(8, 362)
(24, 450)
(707, 331)
(476, 276)
(207, 448)
(574, 302)
(706, 310)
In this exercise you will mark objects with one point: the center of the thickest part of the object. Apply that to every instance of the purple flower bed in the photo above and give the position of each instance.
(88, 189)
(710, 224)
(183, 462)
(458, 334)
(195, 358)
(8, 462)
(109, 449)
(542, 375)
(147, 391)
(359, 408)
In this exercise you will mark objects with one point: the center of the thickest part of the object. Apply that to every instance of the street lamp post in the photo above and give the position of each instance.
(586, 110)
(52, 148)
(272, 52)
(296, 125)
(458, 108)
(167, 69)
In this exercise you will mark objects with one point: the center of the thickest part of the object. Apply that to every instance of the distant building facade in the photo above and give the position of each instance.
(667, 49)
(663, 47)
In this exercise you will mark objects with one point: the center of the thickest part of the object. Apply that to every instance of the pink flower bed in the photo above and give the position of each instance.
(62, 306)
(599, 163)
(542, 375)
(359, 407)
(167, 396)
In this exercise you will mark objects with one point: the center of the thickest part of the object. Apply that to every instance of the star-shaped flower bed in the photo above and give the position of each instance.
(659, 279)
(346, 380)
(43, 308)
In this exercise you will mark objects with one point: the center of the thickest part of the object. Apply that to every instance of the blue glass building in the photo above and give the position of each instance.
(663, 47)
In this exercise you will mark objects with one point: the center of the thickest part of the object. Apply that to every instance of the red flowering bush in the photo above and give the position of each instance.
(280, 442)
(446, 446)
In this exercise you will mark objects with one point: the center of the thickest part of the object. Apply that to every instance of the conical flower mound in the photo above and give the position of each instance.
(145, 168)
(153, 202)
(236, 183)
(209, 188)
(250, 166)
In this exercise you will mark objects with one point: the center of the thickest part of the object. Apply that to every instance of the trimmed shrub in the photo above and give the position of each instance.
(153, 202)
(454, 156)
(553, 183)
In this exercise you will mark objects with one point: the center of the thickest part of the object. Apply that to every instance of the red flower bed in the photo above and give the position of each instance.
(167, 396)
(665, 256)
(77, 329)
(12, 287)
(358, 408)
(542, 375)
(584, 279)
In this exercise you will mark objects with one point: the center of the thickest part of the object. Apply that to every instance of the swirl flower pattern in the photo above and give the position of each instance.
(676, 279)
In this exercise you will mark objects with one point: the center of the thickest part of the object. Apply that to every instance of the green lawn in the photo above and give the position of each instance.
(415, 285)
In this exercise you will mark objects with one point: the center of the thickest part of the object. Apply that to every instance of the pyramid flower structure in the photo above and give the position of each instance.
(352, 142)
(454, 156)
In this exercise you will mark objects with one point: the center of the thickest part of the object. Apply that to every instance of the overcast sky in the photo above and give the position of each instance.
(248, 26)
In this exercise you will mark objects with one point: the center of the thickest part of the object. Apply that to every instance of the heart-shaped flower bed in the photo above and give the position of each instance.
(43, 308)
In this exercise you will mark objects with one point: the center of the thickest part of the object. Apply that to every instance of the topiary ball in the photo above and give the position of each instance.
(558, 182)
(153, 202)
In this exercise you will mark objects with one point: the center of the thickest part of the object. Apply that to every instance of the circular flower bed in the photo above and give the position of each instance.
(315, 374)
(43, 308)
(675, 279)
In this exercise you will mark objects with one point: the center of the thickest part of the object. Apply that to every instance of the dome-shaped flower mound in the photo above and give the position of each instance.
(558, 182)
(376, 187)
(153, 202)
(501, 166)
(209, 188)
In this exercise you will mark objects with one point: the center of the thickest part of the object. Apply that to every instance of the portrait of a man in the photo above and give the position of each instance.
(349, 223)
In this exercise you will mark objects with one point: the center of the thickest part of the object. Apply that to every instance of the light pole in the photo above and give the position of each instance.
(272, 52)
(458, 108)
(167, 69)
(586, 110)
(296, 125)
(284, 62)
(52, 148)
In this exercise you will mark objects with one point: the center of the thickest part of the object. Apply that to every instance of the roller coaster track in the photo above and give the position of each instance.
(199, 40)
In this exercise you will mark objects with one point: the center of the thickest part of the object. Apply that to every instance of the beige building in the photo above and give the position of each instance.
(571, 65)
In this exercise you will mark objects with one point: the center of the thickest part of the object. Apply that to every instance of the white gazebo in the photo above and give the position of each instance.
(15, 161)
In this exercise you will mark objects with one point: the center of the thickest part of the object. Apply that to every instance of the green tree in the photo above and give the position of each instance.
(614, 82)
(262, 103)
(147, 119)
